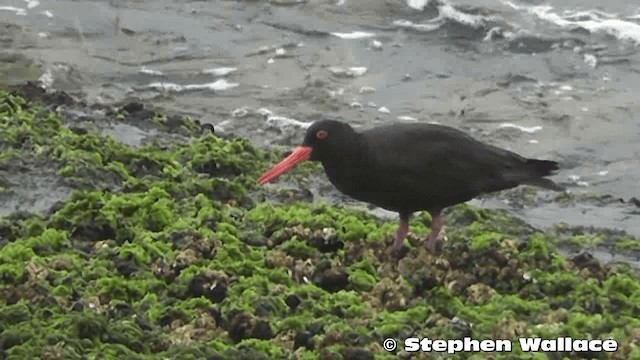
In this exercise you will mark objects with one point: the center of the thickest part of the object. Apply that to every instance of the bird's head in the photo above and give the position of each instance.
(320, 143)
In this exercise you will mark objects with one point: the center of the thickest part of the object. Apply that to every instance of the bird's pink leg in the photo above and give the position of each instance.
(403, 230)
(436, 225)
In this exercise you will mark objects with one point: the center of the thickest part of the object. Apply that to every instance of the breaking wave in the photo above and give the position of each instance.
(490, 21)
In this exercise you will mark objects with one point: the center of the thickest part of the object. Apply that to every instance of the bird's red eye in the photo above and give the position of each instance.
(321, 134)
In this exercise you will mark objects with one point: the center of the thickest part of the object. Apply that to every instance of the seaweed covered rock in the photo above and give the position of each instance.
(161, 251)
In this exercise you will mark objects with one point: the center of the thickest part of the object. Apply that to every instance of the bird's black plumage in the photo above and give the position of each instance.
(411, 167)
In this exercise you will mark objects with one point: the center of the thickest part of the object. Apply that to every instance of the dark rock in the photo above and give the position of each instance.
(293, 302)
(174, 122)
(316, 329)
(351, 353)
(213, 289)
(262, 330)
(244, 326)
(587, 261)
(582, 259)
(207, 128)
(121, 310)
(327, 244)
(78, 130)
(171, 315)
(6, 234)
(422, 280)
(331, 280)
(126, 267)
(133, 107)
(9, 339)
(263, 309)
(239, 327)
(217, 316)
(143, 323)
(303, 339)
(47, 314)
(94, 232)
(141, 115)
(462, 327)
(145, 166)
(77, 306)
(35, 92)
(209, 167)
(89, 328)
(75, 295)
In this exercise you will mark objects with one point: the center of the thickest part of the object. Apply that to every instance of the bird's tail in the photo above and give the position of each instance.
(540, 169)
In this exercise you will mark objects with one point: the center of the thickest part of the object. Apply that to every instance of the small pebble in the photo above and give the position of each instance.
(293, 301)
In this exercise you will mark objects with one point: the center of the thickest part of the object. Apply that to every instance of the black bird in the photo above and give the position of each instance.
(413, 167)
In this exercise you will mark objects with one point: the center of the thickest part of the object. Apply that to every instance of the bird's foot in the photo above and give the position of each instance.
(437, 236)
(398, 251)
(397, 246)
(434, 244)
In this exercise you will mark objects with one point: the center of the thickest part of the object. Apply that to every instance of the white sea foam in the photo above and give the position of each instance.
(219, 85)
(592, 20)
(284, 122)
(277, 121)
(576, 180)
(367, 90)
(591, 60)
(46, 79)
(417, 4)
(240, 112)
(17, 10)
(445, 12)
(353, 35)
(348, 72)
(530, 130)
(220, 71)
(146, 70)
(418, 27)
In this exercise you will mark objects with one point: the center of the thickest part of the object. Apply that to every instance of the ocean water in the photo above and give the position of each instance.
(557, 81)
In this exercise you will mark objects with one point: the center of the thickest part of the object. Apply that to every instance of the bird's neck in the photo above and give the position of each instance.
(345, 154)
(346, 167)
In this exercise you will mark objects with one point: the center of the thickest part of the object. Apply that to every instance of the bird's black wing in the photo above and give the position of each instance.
(437, 164)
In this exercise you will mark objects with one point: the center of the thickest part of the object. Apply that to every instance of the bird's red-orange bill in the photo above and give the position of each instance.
(298, 155)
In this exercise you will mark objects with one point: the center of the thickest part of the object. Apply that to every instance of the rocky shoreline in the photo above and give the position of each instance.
(167, 248)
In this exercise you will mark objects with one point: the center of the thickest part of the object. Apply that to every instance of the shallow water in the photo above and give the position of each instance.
(556, 82)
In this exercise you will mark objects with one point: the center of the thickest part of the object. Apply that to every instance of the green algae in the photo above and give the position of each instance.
(162, 252)
(628, 244)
